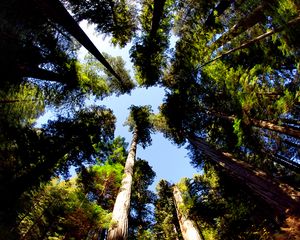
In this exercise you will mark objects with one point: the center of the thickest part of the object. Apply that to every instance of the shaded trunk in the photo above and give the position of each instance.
(290, 143)
(292, 123)
(188, 228)
(257, 15)
(246, 44)
(39, 73)
(280, 197)
(219, 10)
(119, 228)
(56, 11)
(283, 161)
(287, 163)
(157, 15)
(276, 128)
(262, 124)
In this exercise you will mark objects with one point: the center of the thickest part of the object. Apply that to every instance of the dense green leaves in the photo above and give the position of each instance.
(115, 18)
(139, 122)
(232, 91)
(149, 52)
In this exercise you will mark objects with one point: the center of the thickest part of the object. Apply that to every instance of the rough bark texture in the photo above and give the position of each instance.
(281, 197)
(276, 128)
(188, 228)
(119, 228)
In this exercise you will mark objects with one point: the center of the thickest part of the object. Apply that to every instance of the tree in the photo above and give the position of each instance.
(283, 198)
(223, 208)
(166, 223)
(188, 228)
(30, 157)
(139, 123)
(114, 18)
(60, 209)
(149, 51)
(142, 200)
(56, 11)
(95, 79)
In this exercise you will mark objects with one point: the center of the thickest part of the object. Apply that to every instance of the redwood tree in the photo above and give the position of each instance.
(141, 127)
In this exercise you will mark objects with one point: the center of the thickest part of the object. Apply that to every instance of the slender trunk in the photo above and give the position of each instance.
(286, 162)
(257, 15)
(119, 228)
(276, 128)
(283, 161)
(157, 15)
(262, 124)
(56, 11)
(176, 232)
(219, 9)
(39, 73)
(188, 228)
(294, 122)
(280, 197)
(255, 40)
(290, 143)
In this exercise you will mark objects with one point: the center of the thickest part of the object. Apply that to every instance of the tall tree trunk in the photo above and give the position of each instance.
(119, 228)
(257, 15)
(56, 11)
(217, 11)
(281, 197)
(262, 124)
(246, 44)
(156, 17)
(276, 128)
(188, 228)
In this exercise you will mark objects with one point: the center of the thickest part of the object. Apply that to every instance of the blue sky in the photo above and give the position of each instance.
(167, 160)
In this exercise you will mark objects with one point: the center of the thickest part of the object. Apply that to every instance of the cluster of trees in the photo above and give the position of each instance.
(232, 95)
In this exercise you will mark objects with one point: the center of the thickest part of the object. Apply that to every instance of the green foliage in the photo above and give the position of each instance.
(113, 18)
(30, 157)
(141, 202)
(222, 209)
(218, 101)
(21, 105)
(149, 51)
(139, 122)
(102, 183)
(238, 131)
(166, 222)
(61, 210)
(95, 79)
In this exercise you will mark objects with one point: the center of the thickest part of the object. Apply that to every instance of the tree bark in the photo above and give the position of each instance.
(219, 9)
(276, 128)
(246, 44)
(188, 228)
(257, 15)
(281, 197)
(157, 15)
(119, 228)
(56, 11)
(262, 124)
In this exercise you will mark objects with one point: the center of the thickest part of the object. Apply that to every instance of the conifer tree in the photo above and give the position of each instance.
(139, 124)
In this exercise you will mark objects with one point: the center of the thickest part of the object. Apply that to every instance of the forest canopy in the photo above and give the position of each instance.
(230, 71)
